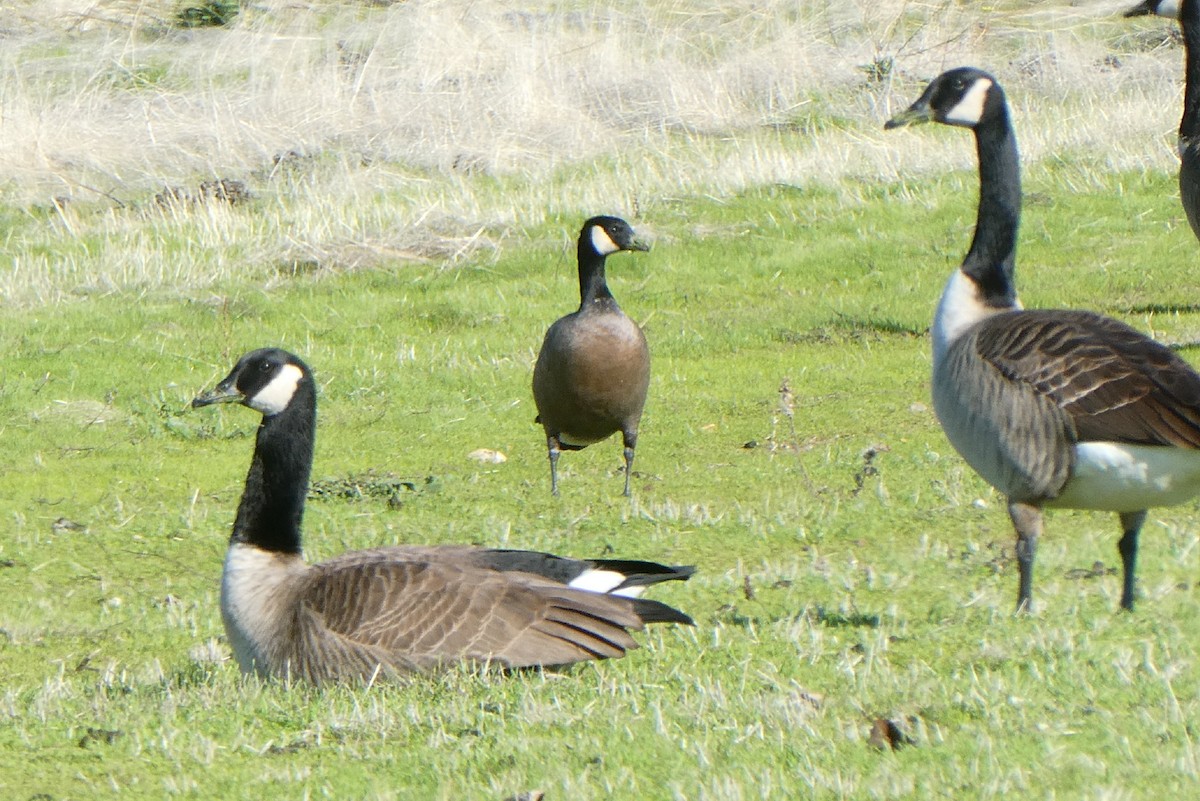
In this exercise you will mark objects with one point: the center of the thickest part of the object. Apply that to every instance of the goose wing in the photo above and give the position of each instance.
(425, 612)
(617, 576)
(1113, 383)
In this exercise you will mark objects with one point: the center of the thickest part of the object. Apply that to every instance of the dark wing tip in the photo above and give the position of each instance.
(657, 612)
(643, 574)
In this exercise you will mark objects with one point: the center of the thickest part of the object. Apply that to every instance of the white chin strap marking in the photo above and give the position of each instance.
(275, 396)
(602, 242)
(969, 110)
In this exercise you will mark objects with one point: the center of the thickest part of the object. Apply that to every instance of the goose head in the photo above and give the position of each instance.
(265, 380)
(605, 235)
(963, 97)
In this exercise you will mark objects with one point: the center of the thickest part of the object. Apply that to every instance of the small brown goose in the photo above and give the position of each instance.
(385, 612)
(1052, 408)
(1188, 14)
(593, 370)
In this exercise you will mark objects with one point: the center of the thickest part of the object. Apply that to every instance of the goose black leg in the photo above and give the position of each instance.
(1131, 524)
(1027, 520)
(553, 450)
(630, 442)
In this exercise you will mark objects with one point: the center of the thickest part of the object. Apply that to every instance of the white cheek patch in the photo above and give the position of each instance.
(969, 110)
(602, 242)
(275, 396)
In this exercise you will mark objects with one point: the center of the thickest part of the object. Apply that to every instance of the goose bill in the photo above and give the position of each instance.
(222, 393)
(915, 114)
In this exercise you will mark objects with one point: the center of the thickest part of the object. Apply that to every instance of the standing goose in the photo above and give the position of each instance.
(390, 611)
(1053, 408)
(1188, 14)
(593, 370)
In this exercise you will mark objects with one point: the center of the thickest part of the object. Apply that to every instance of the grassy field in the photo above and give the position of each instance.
(409, 233)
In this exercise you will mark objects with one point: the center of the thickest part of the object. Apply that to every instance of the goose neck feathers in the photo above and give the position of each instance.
(984, 285)
(991, 260)
(1189, 123)
(280, 387)
(1187, 12)
(970, 98)
(272, 506)
(601, 237)
(593, 285)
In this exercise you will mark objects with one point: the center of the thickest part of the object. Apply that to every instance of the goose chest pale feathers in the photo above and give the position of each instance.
(593, 370)
(1052, 408)
(1188, 14)
(385, 612)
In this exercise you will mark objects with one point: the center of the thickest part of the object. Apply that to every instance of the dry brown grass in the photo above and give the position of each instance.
(373, 133)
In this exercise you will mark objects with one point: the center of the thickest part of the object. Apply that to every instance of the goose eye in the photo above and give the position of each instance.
(264, 367)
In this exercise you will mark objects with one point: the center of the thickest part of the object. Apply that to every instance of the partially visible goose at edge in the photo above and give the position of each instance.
(593, 370)
(1053, 408)
(1188, 14)
(385, 612)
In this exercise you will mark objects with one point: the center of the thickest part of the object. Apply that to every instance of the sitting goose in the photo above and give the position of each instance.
(1188, 14)
(593, 370)
(385, 612)
(1052, 408)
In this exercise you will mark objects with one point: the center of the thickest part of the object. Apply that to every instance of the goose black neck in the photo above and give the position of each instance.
(272, 504)
(992, 258)
(1189, 20)
(593, 286)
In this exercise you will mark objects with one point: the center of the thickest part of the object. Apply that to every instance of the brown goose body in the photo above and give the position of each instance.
(592, 376)
(1040, 401)
(385, 612)
(593, 370)
(1052, 408)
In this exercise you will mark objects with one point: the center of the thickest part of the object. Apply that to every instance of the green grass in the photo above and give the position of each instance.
(835, 588)
(410, 235)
